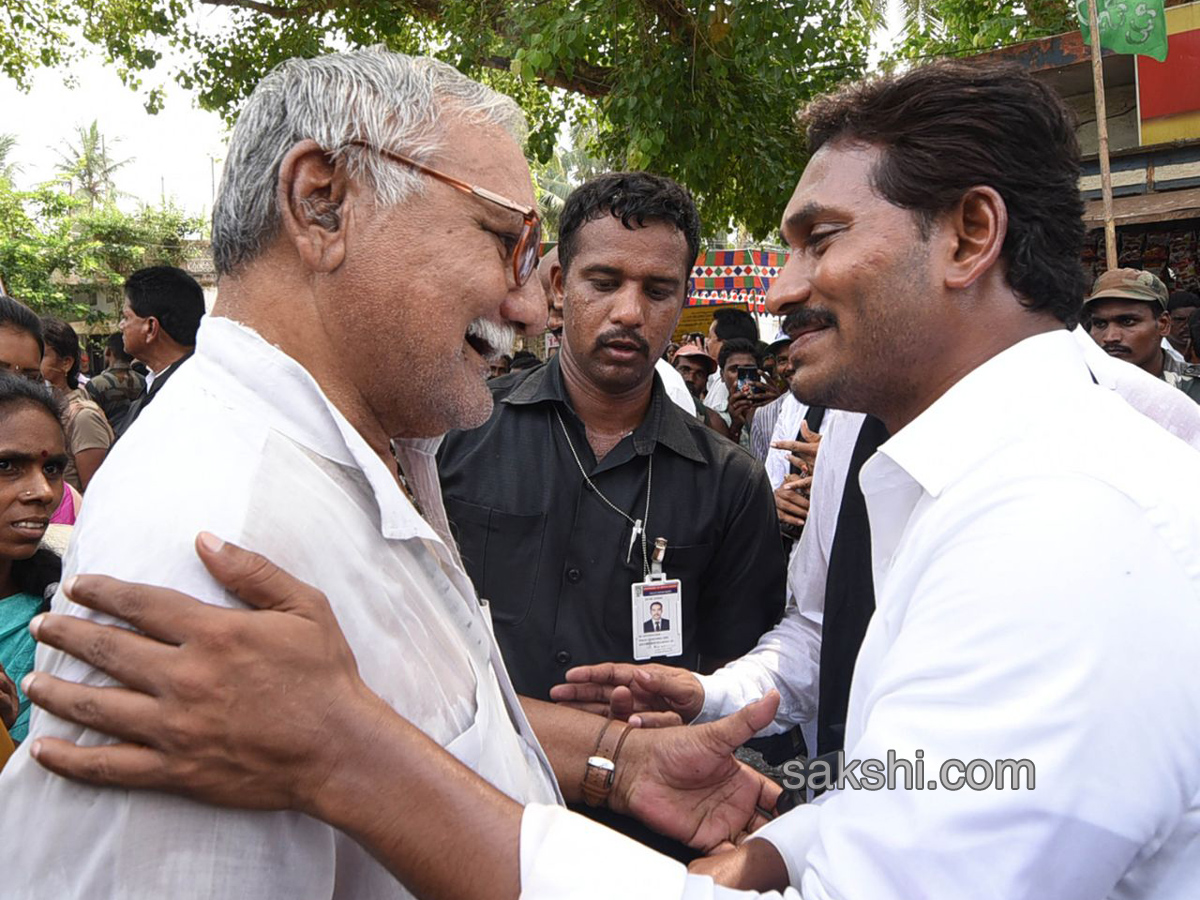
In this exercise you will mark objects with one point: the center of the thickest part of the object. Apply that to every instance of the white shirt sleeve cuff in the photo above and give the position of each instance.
(714, 698)
(565, 856)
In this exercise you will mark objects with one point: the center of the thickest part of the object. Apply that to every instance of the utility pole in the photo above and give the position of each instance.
(1110, 228)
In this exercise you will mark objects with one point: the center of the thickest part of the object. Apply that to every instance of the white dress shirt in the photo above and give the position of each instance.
(1153, 397)
(252, 450)
(1166, 345)
(788, 656)
(787, 426)
(676, 387)
(1037, 587)
(718, 394)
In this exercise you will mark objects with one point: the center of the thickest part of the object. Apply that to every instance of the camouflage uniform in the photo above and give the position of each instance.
(114, 390)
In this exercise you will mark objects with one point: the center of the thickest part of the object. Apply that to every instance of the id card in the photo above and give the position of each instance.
(657, 618)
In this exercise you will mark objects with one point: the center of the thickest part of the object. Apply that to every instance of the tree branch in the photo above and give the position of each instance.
(588, 80)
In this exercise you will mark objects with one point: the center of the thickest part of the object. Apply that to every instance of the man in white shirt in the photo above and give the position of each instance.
(728, 323)
(279, 434)
(1036, 593)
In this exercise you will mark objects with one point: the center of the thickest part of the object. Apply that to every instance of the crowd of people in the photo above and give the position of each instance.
(364, 592)
(41, 376)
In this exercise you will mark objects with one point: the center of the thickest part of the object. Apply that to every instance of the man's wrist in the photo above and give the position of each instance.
(344, 772)
(634, 756)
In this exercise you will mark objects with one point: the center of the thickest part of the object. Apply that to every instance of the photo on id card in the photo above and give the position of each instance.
(657, 619)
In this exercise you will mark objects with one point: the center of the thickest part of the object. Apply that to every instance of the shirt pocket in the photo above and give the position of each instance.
(688, 563)
(501, 552)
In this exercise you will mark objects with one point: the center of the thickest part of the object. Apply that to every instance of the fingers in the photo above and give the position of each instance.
(128, 657)
(125, 765)
(621, 705)
(257, 581)
(803, 462)
(127, 715)
(602, 673)
(667, 683)
(808, 434)
(157, 612)
(656, 720)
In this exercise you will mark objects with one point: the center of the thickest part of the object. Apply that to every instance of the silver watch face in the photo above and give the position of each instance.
(600, 762)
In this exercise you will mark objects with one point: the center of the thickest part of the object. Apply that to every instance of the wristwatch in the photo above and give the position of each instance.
(602, 764)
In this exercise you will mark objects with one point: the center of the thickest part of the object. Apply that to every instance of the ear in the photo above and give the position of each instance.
(556, 282)
(152, 329)
(1164, 324)
(311, 196)
(978, 225)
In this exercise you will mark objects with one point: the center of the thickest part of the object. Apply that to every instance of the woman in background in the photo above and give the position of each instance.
(88, 433)
(33, 456)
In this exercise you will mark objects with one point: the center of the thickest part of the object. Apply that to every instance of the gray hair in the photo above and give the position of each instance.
(386, 99)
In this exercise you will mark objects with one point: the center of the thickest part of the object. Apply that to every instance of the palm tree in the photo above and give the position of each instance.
(566, 170)
(7, 169)
(89, 166)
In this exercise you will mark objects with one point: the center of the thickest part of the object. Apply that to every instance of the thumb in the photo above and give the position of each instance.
(256, 580)
(732, 731)
(810, 436)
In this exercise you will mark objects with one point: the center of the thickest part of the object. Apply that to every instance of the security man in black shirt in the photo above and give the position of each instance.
(558, 499)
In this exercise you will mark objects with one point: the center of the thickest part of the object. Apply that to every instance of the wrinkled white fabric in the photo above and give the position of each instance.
(788, 656)
(1165, 404)
(248, 447)
(675, 387)
(787, 426)
(1038, 597)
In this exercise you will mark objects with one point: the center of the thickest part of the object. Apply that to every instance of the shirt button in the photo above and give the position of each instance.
(562, 657)
(573, 576)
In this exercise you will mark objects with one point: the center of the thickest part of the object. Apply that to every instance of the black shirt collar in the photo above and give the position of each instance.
(664, 423)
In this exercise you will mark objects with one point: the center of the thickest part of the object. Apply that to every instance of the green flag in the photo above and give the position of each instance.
(1128, 26)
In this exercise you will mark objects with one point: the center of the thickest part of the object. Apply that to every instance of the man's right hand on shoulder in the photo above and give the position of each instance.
(650, 696)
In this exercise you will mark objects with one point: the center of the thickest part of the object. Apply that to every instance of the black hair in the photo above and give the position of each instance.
(62, 339)
(636, 198)
(15, 314)
(523, 359)
(44, 568)
(116, 346)
(171, 296)
(948, 126)
(1182, 300)
(737, 345)
(1193, 327)
(732, 322)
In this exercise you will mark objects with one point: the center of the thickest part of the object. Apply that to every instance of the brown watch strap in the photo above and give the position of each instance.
(602, 764)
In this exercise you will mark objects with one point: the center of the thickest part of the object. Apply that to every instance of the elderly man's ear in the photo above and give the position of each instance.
(312, 191)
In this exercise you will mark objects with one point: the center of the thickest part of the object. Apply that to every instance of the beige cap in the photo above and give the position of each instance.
(1129, 284)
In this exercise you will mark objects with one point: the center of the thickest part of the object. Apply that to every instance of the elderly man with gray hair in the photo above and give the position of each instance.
(296, 431)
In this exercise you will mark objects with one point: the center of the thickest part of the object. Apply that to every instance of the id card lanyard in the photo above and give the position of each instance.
(639, 525)
(657, 611)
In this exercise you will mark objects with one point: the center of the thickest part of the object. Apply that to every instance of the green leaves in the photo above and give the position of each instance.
(703, 92)
(55, 247)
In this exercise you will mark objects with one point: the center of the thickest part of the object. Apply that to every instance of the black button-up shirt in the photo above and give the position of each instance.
(551, 556)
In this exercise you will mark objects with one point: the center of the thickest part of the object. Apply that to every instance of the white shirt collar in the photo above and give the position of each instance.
(981, 413)
(292, 402)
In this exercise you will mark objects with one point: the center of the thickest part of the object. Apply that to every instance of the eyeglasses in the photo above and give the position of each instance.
(525, 252)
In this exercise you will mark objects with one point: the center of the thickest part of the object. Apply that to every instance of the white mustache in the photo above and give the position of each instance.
(499, 338)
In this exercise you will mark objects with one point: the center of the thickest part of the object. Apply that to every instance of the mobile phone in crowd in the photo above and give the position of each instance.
(748, 376)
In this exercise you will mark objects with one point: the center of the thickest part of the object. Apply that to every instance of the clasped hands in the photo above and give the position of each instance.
(242, 708)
